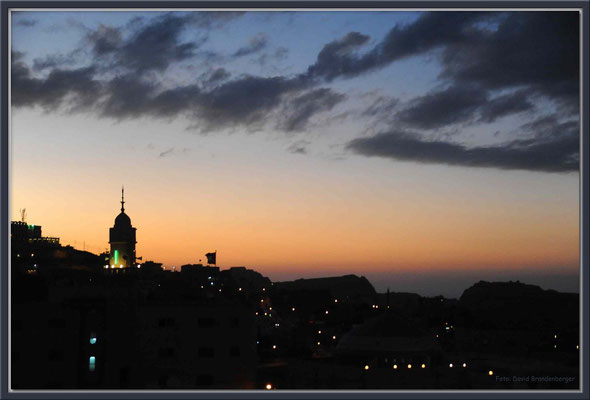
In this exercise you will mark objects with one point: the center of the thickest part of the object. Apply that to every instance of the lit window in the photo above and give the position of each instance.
(92, 363)
(93, 338)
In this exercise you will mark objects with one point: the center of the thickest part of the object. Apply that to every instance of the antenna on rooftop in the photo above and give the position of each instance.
(23, 214)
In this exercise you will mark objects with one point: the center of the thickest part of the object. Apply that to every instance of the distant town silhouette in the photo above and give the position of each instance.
(113, 321)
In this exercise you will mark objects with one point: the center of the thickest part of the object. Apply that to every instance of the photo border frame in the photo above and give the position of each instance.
(6, 393)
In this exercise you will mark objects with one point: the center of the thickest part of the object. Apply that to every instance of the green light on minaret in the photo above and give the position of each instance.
(116, 257)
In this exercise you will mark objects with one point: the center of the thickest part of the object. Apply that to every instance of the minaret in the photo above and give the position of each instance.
(122, 239)
(122, 199)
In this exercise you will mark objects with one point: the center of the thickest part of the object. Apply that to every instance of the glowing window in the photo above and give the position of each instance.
(93, 338)
(92, 363)
(116, 256)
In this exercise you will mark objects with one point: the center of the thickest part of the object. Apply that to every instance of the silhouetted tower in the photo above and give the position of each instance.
(122, 239)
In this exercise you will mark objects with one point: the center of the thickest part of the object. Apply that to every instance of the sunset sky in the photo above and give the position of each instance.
(425, 151)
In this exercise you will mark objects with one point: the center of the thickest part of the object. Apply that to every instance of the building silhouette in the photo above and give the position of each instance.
(77, 323)
(122, 240)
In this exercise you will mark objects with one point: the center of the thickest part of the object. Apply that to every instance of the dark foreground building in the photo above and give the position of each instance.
(124, 331)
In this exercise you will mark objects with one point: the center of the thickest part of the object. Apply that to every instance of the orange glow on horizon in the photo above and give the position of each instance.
(306, 217)
(299, 236)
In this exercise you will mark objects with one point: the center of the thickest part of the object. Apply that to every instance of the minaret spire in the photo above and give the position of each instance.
(122, 198)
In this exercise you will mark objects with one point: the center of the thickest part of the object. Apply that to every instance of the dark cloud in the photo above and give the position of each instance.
(174, 101)
(299, 147)
(53, 61)
(505, 105)
(254, 45)
(166, 152)
(105, 40)
(453, 105)
(550, 156)
(73, 88)
(550, 127)
(26, 22)
(537, 49)
(244, 101)
(128, 96)
(489, 50)
(157, 45)
(214, 77)
(220, 74)
(382, 107)
(16, 56)
(462, 104)
(299, 110)
(431, 30)
(335, 58)
(152, 46)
